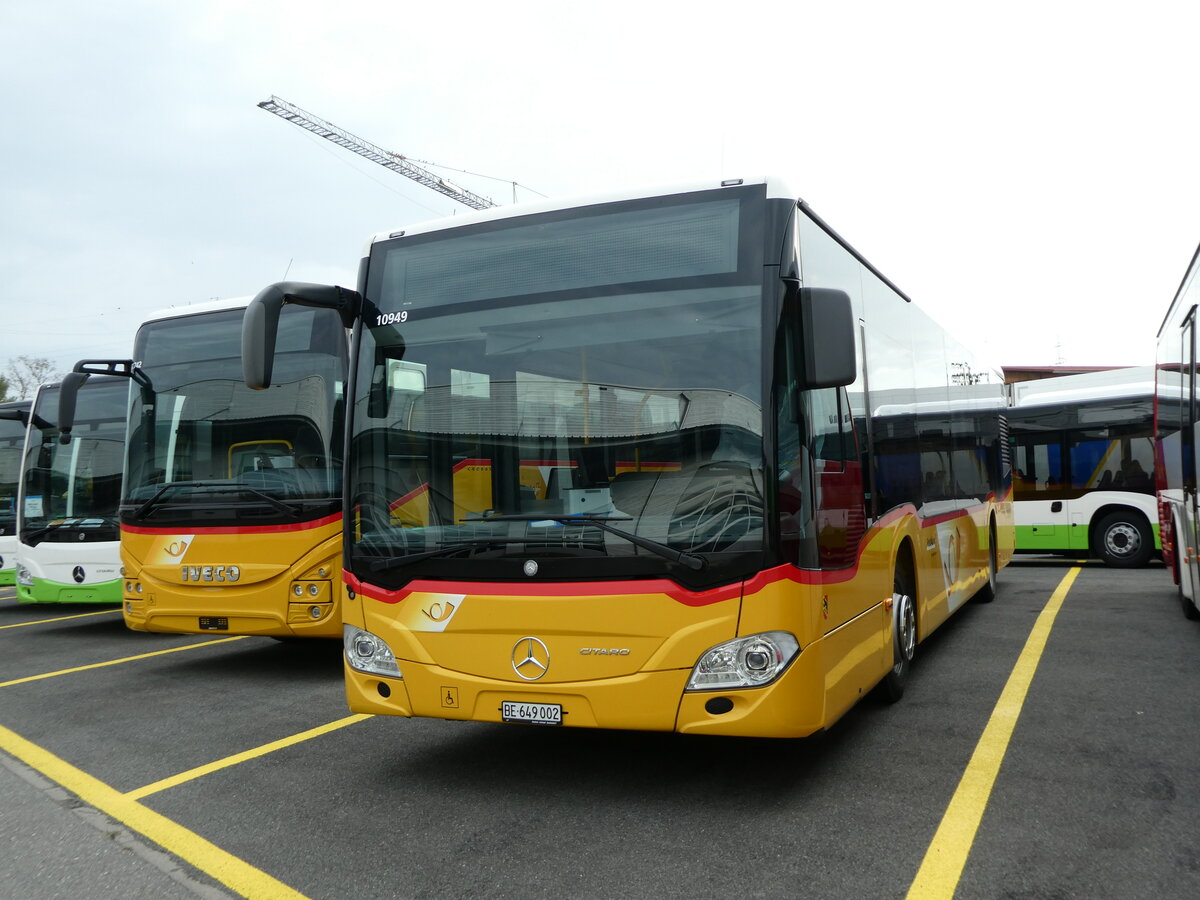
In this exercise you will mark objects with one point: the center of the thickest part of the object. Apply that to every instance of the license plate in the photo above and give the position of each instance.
(214, 623)
(533, 713)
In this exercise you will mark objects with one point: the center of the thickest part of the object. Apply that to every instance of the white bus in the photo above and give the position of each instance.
(1083, 461)
(14, 417)
(67, 499)
(1177, 415)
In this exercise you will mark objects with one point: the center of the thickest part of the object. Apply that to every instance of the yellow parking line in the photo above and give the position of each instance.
(946, 857)
(116, 662)
(235, 873)
(228, 761)
(62, 618)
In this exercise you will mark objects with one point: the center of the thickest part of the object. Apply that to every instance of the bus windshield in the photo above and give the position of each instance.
(205, 450)
(12, 441)
(596, 397)
(72, 490)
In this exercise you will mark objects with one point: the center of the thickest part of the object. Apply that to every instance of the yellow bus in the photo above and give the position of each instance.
(231, 507)
(679, 461)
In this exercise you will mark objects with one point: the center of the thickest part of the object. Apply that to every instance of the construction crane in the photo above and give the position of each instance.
(367, 150)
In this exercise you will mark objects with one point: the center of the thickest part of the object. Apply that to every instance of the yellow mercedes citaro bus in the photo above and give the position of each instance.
(230, 513)
(679, 461)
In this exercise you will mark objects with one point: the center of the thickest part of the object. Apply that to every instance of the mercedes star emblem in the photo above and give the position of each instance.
(530, 658)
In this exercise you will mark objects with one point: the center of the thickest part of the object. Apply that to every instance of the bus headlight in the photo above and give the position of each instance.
(367, 653)
(24, 576)
(750, 661)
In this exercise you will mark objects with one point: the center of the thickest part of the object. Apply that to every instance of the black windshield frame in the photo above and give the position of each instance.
(71, 491)
(205, 450)
(499, 549)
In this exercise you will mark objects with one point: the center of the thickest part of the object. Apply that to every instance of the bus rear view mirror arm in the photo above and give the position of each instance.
(74, 380)
(261, 322)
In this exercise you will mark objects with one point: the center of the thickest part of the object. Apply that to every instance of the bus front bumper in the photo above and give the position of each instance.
(791, 706)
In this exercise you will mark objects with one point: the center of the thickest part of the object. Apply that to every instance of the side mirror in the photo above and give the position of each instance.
(827, 338)
(379, 395)
(68, 394)
(68, 391)
(260, 324)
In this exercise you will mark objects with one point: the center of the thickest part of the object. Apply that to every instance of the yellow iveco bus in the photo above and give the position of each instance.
(677, 461)
(231, 507)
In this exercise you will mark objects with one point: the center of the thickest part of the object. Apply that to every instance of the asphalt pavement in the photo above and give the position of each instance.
(185, 766)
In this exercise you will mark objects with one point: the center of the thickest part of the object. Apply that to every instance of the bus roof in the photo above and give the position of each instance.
(1135, 381)
(776, 189)
(196, 309)
(1180, 291)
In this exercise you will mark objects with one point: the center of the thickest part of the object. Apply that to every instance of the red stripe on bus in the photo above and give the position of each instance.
(753, 585)
(410, 496)
(237, 529)
(594, 588)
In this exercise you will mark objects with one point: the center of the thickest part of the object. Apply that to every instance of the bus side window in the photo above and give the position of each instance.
(841, 516)
(1039, 466)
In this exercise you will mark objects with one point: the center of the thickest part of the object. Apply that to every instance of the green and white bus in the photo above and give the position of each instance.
(1083, 466)
(68, 540)
(14, 417)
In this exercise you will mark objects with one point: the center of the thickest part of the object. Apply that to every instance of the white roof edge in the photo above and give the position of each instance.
(776, 189)
(195, 309)
(1134, 381)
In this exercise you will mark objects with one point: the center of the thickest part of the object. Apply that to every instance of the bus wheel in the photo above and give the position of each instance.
(904, 635)
(1189, 608)
(1124, 540)
(987, 593)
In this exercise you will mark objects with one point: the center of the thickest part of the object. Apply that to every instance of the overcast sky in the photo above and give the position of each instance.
(1027, 172)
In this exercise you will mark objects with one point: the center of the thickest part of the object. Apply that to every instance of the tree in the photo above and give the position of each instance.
(4, 398)
(25, 373)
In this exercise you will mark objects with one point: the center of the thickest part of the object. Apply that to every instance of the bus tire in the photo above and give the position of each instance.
(987, 593)
(1124, 540)
(904, 633)
(1189, 608)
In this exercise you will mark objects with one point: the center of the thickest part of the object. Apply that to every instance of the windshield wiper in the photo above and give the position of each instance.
(396, 562)
(159, 497)
(273, 501)
(691, 560)
(37, 534)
